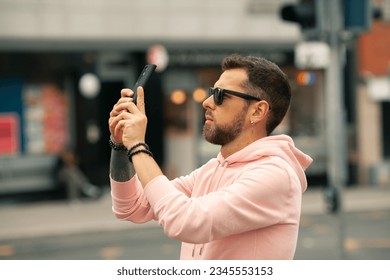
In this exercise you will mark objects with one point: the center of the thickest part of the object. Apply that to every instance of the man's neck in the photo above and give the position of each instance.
(239, 143)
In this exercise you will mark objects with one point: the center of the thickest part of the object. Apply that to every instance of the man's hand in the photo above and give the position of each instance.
(128, 121)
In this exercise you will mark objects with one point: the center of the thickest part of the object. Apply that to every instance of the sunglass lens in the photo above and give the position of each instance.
(218, 96)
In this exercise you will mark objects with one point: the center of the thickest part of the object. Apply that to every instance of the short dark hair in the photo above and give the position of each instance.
(266, 81)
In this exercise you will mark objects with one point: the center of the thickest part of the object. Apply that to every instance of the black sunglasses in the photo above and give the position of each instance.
(218, 94)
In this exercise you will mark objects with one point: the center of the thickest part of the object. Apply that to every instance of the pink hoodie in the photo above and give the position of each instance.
(246, 206)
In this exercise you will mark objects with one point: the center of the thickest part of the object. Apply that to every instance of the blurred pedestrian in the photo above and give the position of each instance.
(74, 180)
(243, 204)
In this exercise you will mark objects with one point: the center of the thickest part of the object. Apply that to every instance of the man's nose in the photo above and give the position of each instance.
(208, 102)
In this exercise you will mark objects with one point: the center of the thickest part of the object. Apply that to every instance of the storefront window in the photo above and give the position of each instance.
(45, 115)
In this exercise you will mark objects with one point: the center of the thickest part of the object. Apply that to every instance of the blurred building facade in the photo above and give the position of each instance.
(48, 103)
(373, 103)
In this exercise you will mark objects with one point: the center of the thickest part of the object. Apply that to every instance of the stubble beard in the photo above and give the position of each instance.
(223, 134)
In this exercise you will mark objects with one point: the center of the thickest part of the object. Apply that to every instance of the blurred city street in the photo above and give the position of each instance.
(87, 229)
(63, 66)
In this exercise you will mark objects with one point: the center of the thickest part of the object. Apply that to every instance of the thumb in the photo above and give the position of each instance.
(141, 99)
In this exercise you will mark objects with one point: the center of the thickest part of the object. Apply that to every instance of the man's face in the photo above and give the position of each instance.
(224, 123)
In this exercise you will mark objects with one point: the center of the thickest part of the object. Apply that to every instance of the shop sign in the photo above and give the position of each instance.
(9, 134)
(202, 58)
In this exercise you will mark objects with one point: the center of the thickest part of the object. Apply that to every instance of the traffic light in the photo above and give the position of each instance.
(307, 13)
(359, 14)
(315, 17)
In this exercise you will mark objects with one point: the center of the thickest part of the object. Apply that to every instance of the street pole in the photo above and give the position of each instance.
(335, 113)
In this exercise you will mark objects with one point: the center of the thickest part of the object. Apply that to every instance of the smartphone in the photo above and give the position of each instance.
(143, 79)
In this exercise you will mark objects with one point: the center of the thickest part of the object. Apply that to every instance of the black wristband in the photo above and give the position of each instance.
(116, 146)
(131, 154)
(138, 145)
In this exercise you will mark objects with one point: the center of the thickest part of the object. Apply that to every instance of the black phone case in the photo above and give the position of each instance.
(143, 79)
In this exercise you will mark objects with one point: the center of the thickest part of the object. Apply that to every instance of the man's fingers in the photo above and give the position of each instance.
(122, 106)
(120, 126)
(126, 92)
(141, 100)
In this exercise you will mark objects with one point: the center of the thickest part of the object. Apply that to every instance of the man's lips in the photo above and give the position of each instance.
(208, 118)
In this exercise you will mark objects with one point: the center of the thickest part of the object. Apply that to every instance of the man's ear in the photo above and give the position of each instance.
(261, 111)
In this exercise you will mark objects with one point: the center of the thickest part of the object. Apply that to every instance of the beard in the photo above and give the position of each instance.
(224, 134)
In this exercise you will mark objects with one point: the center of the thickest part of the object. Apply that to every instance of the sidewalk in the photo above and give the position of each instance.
(61, 218)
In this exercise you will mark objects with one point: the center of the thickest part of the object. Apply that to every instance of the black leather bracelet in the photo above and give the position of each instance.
(116, 146)
(131, 154)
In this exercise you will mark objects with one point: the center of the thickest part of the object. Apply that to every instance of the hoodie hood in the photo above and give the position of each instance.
(281, 146)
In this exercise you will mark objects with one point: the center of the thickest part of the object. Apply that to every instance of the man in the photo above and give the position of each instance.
(243, 204)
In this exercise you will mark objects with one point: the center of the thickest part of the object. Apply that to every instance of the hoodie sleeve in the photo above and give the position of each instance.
(130, 203)
(261, 196)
